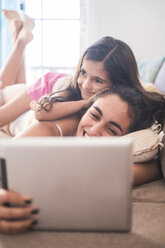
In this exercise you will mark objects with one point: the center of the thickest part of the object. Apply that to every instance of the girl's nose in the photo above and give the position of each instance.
(96, 129)
(87, 84)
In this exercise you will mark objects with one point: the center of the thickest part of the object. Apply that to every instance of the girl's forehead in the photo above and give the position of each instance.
(111, 102)
(92, 66)
(92, 62)
(107, 98)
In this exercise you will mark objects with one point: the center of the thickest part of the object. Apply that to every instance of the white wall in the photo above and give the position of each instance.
(140, 23)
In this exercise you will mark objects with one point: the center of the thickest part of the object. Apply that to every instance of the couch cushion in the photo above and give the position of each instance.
(146, 144)
(160, 79)
(148, 69)
(150, 192)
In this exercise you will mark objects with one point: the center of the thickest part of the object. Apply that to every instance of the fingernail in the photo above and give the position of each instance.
(34, 222)
(28, 201)
(6, 204)
(35, 211)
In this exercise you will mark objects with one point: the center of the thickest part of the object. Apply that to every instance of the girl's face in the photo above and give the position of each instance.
(92, 78)
(108, 116)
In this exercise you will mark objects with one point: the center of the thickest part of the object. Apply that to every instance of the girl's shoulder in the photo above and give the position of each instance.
(44, 85)
(53, 76)
(62, 83)
(69, 124)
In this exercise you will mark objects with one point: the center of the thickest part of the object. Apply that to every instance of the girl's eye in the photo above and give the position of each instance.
(95, 116)
(112, 131)
(98, 81)
(82, 72)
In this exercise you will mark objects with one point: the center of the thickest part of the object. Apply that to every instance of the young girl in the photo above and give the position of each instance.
(107, 62)
(115, 111)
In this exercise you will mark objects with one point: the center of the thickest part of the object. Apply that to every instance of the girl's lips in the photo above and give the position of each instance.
(87, 93)
(85, 134)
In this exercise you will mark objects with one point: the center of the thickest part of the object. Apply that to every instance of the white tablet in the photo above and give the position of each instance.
(77, 183)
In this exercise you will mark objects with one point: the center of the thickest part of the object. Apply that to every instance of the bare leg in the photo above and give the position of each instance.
(13, 71)
(28, 26)
(16, 25)
(15, 99)
(10, 69)
(14, 22)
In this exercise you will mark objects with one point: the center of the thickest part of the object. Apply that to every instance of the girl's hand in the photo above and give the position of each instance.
(16, 214)
(61, 110)
(85, 103)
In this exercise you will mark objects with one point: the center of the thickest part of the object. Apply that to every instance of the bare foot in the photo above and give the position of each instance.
(11, 14)
(28, 22)
(25, 35)
(14, 22)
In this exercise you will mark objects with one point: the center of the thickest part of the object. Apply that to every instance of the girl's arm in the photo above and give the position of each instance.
(11, 218)
(61, 109)
(146, 172)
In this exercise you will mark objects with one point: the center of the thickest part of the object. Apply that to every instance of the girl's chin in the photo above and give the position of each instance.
(79, 133)
(85, 97)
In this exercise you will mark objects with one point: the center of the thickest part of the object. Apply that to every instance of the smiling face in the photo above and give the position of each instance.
(92, 78)
(108, 116)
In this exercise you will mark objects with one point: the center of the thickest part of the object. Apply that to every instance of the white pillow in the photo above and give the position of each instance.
(146, 144)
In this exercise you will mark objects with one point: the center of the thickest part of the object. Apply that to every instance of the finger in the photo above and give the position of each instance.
(13, 197)
(13, 227)
(17, 212)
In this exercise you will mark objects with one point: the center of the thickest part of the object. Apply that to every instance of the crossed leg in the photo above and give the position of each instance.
(13, 71)
(15, 100)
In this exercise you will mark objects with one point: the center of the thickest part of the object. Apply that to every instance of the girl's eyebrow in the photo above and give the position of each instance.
(103, 80)
(116, 125)
(110, 122)
(98, 110)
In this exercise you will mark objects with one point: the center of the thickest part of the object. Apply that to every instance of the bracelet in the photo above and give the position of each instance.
(44, 103)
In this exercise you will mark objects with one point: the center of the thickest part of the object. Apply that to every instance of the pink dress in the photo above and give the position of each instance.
(44, 85)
